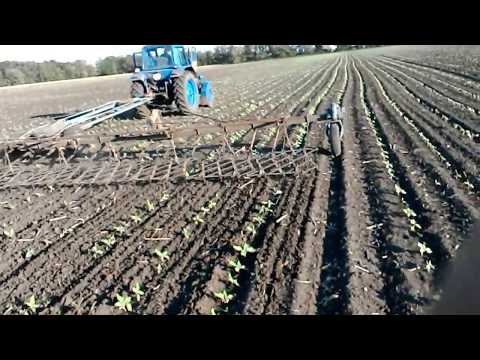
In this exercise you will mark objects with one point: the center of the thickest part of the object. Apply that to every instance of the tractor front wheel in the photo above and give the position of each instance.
(187, 97)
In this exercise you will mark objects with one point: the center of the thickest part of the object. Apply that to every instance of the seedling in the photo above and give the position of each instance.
(136, 289)
(29, 254)
(232, 280)
(424, 249)
(236, 265)
(224, 296)
(124, 302)
(198, 220)
(136, 219)
(149, 206)
(119, 229)
(429, 267)
(186, 232)
(165, 196)
(258, 219)
(244, 249)
(31, 304)
(211, 204)
(213, 312)
(162, 254)
(251, 228)
(97, 250)
(109, 241)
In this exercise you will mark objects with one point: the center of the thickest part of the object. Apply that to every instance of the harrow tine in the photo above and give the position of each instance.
(277, 132)
(253, 140)
(172, 142)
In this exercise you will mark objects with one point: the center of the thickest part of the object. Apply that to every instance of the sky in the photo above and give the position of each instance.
(67, 53)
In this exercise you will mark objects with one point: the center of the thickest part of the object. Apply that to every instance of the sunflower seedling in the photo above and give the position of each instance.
(136, 219)
(109, 241)
(165, 196)
(186, 232)
(232, 280)
(31, 304)
(137, 290)
(162, 254)
(236, 265)
(224, 296)
(429, 267)
(244, 249)
(97, 250)
(197, 220)
(424, 248)
(124, 302)
(119, 229)
(149, 206)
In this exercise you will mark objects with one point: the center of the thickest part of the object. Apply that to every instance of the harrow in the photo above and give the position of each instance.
(64, 155)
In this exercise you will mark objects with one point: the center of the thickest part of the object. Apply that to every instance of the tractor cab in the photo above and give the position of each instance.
(158, 57)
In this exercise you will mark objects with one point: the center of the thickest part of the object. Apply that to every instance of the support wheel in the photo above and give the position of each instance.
(335, 141)
(187, 97)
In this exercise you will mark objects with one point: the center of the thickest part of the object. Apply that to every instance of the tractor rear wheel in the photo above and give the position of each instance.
(335, 141)
(187, 97)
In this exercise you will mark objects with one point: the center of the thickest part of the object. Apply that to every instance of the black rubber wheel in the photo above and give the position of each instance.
(137, 90)
(185, 100)
(335, 141)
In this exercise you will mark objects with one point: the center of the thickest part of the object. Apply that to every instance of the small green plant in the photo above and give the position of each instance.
(251, 228)
(137, 290)
(224, 296)
(124, 302)
(244, 249)
(213, 311)
(236, 265)
(186, 232)
(97, 250)
(211, 204)
(198, 220)
(108, 241)
(429, 267)
(423, 248)
(149, 206)
(165, 196)
(136, 218)
(232, 280)
(119, 229)
(31, 304)
(162, 254)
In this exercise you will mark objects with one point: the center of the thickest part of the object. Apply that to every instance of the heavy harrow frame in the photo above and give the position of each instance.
(63, 159)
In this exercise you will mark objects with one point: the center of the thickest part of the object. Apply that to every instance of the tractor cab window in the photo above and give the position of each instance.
(183, 56)
(159, 58)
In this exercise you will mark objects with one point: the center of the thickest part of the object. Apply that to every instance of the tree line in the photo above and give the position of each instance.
(16, 73)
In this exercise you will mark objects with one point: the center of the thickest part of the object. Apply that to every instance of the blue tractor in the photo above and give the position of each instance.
(167, 74)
